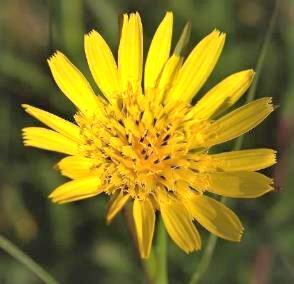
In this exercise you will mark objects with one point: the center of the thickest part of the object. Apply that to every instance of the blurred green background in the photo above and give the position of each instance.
(72, 241)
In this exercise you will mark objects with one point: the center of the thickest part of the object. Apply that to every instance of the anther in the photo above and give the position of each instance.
(121, 122)
(167, 157)
(141, 115)
(166, 137)
(175, 167)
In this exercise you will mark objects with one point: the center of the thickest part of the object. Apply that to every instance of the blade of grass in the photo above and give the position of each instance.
(259, 65)
(72, 25)
(205, 261)
(50, 26)
(15, 252)
(161, 255)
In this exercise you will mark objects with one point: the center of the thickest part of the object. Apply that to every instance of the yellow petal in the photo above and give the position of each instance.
(48, 140)
(223, 95)
(123, 52)
(237, 122)
(239, 184)
(179, 225)
(244, 160)
(116, 203)
(130, 53)
(76, 167)
(198, 67)
(102, 64)
(159, 51)
(73, 84)
(58, 124)
(215, 217)
(174, 63)
(144, 217)
(76, 190)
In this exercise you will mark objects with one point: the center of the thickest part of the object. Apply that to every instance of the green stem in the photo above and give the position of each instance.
(259, 65)
(15, 252)
(211, 244)
(50, 26)
(205, 260)
(161, 255)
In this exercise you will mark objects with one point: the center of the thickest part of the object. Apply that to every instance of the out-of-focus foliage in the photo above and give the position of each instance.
(72, 241)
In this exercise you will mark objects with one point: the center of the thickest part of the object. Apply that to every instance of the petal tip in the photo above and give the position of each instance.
(55, 56)
(251, 73)
(25, 106)
(270, 105)
(241, 234)
(92, 33)
(169, 15)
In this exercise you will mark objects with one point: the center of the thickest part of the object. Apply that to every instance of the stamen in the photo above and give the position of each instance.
(121, 122)
(166, 137)
(141, 115)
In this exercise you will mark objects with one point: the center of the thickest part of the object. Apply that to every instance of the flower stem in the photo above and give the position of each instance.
(205, 260)
(209, 249)
(15, 252)
(259, 65)
(161, 255)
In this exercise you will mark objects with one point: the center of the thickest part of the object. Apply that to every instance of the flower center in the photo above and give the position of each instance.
(141, 144)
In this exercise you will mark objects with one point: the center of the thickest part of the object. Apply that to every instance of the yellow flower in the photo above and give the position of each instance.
(149, 145)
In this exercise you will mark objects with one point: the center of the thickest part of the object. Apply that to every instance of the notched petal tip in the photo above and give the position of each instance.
(25, 131)
(90, 35)
(241, 234)
(274, 156)
(57, 55)
(269, 104)
(54, 56)
(218, 33)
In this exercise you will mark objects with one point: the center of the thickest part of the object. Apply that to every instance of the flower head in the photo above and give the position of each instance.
(149, 145)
